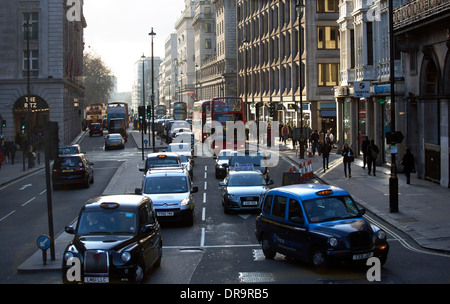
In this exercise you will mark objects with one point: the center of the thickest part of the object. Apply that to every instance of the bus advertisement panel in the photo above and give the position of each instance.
(118, 110)
(179, 110)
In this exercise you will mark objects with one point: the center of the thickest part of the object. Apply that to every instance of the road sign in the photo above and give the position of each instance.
(43, 242)
(395, 137)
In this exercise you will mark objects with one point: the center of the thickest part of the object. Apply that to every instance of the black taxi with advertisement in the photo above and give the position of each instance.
(318, 223)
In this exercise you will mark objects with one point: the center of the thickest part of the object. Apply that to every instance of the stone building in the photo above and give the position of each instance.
(422, 29)
(50, 84)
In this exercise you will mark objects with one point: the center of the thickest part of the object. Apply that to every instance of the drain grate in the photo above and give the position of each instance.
(256, 277)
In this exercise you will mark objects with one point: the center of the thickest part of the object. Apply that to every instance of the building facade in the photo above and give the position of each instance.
(363, 96)
(272, 54)
(422, 29)
(47, 84)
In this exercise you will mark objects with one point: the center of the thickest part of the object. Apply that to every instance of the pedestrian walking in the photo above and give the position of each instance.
(314, 139)
(365, 144)
(12, 151)
(285, 133)
(372, 154)
(326, 148)
(280, 130)
(349, 157)
(1, 159)
(408, 164)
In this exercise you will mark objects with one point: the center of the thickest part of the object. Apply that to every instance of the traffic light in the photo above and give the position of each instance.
(141, 112)
(149, 111)
(23, 124)
(3, 123)
(271, 109)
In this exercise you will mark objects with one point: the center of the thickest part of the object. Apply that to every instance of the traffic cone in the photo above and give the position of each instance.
(310, 169)
(290, 170)
(300, 168)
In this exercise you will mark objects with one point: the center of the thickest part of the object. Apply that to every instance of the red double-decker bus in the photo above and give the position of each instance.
(220, 110)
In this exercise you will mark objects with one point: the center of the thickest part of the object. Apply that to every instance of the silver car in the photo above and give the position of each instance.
(243, 190)
(171, 192)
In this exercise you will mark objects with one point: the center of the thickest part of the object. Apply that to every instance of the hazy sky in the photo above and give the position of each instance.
(117, 30)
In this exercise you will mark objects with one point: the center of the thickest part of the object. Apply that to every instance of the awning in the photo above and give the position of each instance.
(327, 113)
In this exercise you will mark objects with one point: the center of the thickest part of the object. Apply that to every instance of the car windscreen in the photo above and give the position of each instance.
(68, 150)
(166, 184)
(68, 162)
(224, 155)
(155, 162)
(246, 180)
(254, 160)
(114, 136)
(106, 221)
(330, 208)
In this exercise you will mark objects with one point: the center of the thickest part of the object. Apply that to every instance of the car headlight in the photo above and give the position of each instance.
(381, 235)
(232, 197)
(125, 256)
(185, 201)
(333, 242)
(68, 255)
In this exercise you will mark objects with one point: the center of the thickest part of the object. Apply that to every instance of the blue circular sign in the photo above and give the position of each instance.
(43, 242)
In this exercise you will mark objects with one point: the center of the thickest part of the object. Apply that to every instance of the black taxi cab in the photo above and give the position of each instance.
(117, 239)
(317, 223)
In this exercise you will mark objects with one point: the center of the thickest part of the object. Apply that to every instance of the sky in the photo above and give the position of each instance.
(117, 31)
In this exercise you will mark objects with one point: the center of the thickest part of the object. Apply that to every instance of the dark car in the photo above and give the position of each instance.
(118, 125)
(72, 169)
(317, 223)
(95, 128)
(113, 141)
(243, 190)
(117, 239)
(222, 160)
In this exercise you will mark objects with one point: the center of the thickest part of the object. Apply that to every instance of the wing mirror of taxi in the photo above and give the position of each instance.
(362, 211)
(194, 189)
(222, 184)
(70, 230)
(270, 182)
(142, 169)
(137, 191)
(148, 228)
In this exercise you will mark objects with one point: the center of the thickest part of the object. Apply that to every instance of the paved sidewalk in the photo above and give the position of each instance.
(424, 206)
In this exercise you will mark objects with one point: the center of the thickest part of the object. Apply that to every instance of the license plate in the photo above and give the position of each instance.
(250, 203)
(166, 213)
(67, 170)
(362, 256)
(96, 280)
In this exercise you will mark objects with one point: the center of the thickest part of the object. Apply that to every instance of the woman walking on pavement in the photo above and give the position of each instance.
(408, 164)
(372, 153)
(349, 157)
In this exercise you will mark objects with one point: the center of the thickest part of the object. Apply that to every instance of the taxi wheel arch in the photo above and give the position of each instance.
(267, 247)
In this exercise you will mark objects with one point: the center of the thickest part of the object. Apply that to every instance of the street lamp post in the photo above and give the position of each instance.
(300, 7)
(143, 104)
(393, 179)
(246, 110)
(152, 34)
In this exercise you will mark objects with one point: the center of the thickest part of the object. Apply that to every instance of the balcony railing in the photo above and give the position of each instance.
(417, 10)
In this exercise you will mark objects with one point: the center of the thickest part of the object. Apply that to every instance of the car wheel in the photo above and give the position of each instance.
(318, 260)
(267, 248)
(139, 275)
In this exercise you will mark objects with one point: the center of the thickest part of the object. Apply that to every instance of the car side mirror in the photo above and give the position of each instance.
(142, 169)
(270, 182)
(194, 189)
(137, 191)
(148, 228)
(70, 230)
(362, 211)
(222, 184)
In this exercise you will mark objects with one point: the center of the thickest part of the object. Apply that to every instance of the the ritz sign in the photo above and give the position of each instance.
(74, 11)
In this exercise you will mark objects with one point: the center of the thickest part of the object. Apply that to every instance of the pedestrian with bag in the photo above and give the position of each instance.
(372, 154)
(408, 164)
(314, 139)
(285, 133)
(326, 148)
(348, 158)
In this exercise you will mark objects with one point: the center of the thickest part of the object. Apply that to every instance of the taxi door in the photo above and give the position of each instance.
(296, 232)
